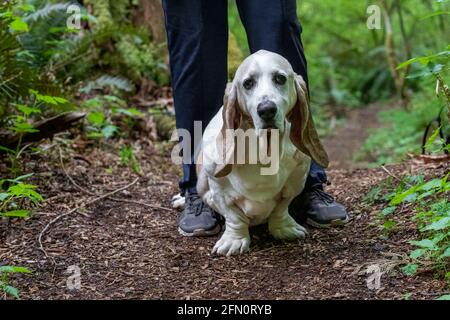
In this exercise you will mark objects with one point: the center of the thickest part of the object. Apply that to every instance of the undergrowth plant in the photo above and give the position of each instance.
(403, 130)
(430, 201)
(104, 110)
(128, 158)
(5, 285)
(15, 196)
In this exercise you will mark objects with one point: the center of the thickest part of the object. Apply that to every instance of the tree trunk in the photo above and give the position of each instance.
(46, 129)
(399, 76)
(150, 14)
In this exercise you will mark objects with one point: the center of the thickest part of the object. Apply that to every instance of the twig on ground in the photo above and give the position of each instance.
(393, 175)
(41, 247)
(153, 206)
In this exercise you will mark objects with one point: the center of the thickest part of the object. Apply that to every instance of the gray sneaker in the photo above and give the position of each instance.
(197, 219)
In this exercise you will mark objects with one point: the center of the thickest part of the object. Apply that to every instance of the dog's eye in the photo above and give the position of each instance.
(280, 79)
(248, 84)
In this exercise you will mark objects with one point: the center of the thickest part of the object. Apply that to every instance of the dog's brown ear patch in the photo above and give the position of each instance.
(303, 132)
(231, 116)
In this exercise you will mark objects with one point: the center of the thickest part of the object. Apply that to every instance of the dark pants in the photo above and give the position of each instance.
(197, 33)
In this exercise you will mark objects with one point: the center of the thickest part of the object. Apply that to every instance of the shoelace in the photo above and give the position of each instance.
(197, 203)
(321, 195)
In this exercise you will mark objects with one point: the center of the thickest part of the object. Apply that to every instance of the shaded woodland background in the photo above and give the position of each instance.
(106, 86)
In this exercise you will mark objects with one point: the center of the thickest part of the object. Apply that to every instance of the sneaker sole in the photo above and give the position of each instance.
(201, 232)
(331, 224)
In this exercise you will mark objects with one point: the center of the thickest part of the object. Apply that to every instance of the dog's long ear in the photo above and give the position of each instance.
(231, 116)
(303, 132)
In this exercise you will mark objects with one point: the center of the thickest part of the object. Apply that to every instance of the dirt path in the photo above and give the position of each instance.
(348, 138)
(126, 250)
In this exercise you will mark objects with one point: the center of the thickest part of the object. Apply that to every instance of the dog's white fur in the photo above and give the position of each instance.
(239, 192)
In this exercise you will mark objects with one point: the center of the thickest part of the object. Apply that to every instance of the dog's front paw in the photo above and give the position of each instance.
(286, 229)
(230, 244)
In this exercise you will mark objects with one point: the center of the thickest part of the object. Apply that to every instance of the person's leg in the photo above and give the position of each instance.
(197, 34)
(273, 25)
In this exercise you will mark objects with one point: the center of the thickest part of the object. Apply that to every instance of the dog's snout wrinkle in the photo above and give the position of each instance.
(267, 110)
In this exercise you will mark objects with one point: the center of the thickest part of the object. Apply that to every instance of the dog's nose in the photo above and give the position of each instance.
(267, 110)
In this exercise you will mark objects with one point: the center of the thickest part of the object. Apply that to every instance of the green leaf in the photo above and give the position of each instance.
(434, 14)
(19, 26)
(388, 210)
(446, 253)
(389, 225)
(97, 118)
(424, 60)
(433, 184)
(109, 131)
(23, 190)
(20, 178)
(23, 127)
(27, 7)
(425, 243)
(407, 296)
(12, 291)
(404, 196)
(440, 224)
(132, 112)
(432, 138)
(417, 253)
(426, 194)
(444, 297)
(16, 214)
(94, 135)
(410, 198)
(27, 110)
(7, 150)
(4, 196)
(13, 269)
(410, 269)
(48, 99)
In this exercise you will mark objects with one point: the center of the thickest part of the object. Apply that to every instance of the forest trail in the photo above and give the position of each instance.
(346, 139)
(126, 249)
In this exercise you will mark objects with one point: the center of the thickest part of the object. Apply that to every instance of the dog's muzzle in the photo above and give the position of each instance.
(267, 111)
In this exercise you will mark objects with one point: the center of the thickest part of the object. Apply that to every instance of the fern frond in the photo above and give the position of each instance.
(107, 80)
(46, 11)
(16, 75)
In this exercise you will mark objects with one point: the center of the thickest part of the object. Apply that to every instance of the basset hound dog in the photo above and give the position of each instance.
(267, 103)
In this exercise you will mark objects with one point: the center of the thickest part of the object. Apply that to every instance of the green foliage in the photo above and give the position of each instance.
(103, 110)
(115, 84)
(402, 130)
(42, 61)
(16, 73)
(430, 200)
(141, 59)
(347, 62)
(235, 55)
(410, 269)
(128, 158)
(15, 194)
(5, 273)
(135, 56)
